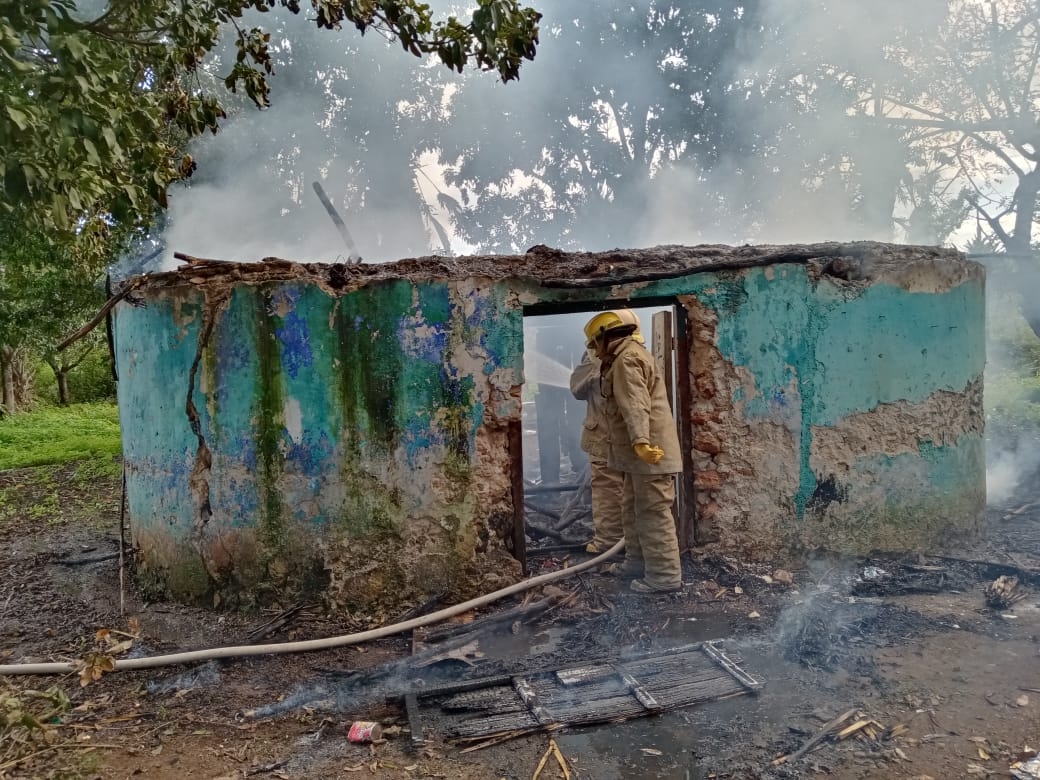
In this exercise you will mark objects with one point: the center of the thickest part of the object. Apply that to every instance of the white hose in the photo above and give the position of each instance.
(279, 648)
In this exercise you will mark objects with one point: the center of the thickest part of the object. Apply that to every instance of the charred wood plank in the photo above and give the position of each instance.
(466, 685)
(415, 728)
(642, 695)
(491, 622)
(527, 694)
(583, 674)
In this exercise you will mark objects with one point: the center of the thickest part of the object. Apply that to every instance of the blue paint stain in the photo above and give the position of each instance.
(296, 343)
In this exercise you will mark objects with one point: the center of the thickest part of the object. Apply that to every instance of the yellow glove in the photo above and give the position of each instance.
(649, 453)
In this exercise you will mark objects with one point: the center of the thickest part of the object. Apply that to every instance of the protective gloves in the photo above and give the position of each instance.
(649, 453)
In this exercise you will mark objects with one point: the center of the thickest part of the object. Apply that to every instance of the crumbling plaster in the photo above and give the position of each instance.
(355, 442)
(346, 429)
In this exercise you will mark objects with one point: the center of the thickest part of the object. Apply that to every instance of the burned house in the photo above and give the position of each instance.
(357, 429)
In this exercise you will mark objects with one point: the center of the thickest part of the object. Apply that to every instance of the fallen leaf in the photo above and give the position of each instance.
(121, 647)
(95, 665)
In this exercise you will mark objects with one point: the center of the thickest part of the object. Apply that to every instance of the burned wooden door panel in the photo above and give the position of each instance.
(669, 346)
(661, 344)
(605, 691)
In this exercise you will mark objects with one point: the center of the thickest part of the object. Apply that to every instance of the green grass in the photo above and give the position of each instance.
(56, 435)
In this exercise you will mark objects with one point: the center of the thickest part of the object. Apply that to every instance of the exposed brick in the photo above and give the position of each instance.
(705, 441)
(707, 480)
(708, 512)
(704, 417)
(704, 384)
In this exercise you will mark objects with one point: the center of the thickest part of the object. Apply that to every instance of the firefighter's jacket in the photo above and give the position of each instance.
(585, 387)
(637, 410)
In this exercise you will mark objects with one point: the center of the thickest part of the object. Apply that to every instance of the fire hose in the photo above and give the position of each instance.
(309, 645)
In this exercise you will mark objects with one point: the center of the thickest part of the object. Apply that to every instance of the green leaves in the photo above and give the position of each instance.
(113, 98)
(20, 118)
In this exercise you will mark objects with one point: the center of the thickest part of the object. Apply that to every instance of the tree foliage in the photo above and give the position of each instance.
(968, 96)
(48, 289)
(97, 105)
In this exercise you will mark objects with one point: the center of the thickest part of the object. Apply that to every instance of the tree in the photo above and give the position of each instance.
(957, 87)
(346, 115)
(972, 97)
(46, 291)
(97, 106)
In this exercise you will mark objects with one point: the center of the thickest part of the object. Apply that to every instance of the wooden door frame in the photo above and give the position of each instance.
(683, 404)
(686, 519)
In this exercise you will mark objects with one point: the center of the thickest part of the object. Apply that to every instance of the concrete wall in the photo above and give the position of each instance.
(355, 443)
(286, 436)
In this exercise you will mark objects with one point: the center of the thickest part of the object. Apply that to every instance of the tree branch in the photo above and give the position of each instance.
(996, 227)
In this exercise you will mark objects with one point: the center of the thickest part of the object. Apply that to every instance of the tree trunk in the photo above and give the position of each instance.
(10, 404)
(1025, 211)
(63, 388)
(61, 374)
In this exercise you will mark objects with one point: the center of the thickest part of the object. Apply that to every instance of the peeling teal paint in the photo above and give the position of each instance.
(890, 345)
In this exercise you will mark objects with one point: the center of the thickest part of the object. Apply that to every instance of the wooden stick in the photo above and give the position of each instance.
(541, 764)
(411, 708)
(495, 740)
(102, 313)
(816, 738)
(848, 731)
(353, 256)
(122, 544)
(542, 510)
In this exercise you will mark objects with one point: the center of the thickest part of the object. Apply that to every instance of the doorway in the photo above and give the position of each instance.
(556, 507)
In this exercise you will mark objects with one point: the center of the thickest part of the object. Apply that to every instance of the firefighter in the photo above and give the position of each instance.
(608, 485)
(644, 446)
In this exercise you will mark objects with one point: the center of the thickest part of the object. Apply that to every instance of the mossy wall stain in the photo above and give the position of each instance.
(269, 424)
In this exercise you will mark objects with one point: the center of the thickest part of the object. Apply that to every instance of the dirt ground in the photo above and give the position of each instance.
(951, 685)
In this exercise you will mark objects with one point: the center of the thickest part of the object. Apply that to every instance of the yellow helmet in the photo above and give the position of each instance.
(606, 321)
(629, 317)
